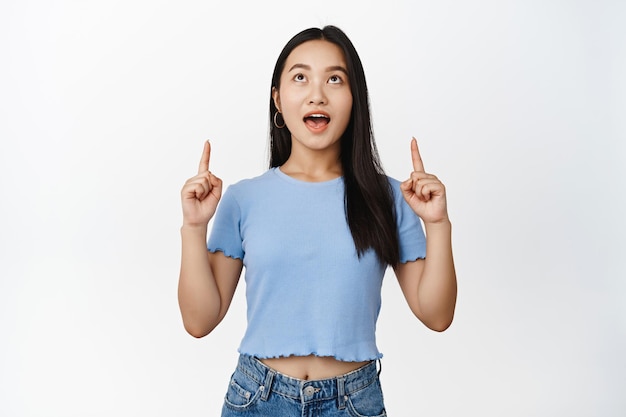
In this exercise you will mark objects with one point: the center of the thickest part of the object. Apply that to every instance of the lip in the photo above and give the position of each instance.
(316, 129)
(311, 113)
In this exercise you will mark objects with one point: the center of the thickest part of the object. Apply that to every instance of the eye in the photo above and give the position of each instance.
(299, 78)
(335, 79)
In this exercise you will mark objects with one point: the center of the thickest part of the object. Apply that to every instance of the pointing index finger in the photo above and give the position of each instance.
(418, 165)
(206, 157)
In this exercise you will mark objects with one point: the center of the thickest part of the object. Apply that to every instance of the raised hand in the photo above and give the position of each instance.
(424, 193)
(201, 193)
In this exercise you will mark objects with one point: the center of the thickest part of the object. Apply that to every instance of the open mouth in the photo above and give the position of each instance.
(316, 120)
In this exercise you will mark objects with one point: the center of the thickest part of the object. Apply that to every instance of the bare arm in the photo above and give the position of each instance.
(207, 281)
(429, 285)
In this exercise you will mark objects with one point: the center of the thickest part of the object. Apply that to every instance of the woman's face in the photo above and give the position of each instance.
(314, 96)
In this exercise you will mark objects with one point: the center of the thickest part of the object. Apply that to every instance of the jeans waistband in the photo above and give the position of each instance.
(307, 390)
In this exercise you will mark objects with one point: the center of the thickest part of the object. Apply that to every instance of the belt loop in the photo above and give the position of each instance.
(267, 384)
(341, 393)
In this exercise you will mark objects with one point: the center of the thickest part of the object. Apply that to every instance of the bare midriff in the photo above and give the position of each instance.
(311, 367)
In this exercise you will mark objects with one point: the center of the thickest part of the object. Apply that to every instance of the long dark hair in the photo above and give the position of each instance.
(370, 210)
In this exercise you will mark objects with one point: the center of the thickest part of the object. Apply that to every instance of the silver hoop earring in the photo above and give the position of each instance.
(276, 123)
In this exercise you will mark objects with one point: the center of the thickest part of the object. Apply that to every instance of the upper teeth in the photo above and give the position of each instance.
(317, 115)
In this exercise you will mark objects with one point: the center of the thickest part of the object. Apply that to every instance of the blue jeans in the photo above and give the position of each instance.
(257, 390)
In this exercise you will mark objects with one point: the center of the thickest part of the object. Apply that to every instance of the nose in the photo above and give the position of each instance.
(316, 95)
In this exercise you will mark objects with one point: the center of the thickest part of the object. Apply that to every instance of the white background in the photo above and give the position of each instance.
(519, 108)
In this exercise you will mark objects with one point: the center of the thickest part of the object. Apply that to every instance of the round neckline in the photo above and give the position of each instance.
(293, 180)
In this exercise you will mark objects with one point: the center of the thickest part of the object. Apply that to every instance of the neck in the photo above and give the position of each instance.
(313, 166)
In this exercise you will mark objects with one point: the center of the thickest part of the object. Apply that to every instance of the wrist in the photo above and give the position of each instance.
(439, 226)
(193, 229)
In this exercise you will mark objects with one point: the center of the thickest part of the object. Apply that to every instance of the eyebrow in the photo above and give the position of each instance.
(328, 69)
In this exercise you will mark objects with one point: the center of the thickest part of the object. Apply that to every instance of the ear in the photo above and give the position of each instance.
(276, 97)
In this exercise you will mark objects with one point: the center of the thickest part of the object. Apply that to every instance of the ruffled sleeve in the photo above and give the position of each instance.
(226, 231)
(410, 232)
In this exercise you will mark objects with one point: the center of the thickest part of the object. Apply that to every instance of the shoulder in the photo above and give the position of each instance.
(394, 184)
(402, 208)
(253, 190)
(268, 178)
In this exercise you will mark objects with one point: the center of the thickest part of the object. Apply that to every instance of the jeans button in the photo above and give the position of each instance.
(308, 391)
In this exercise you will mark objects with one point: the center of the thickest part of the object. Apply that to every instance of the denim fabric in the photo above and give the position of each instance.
(257, 390)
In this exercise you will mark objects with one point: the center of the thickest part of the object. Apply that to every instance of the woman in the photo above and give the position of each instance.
(316, 233)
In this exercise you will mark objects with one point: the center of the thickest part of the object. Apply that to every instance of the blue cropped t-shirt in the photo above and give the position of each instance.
(307, 290)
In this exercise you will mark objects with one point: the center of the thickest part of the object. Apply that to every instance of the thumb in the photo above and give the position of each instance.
(406, 186)
(216, 185)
